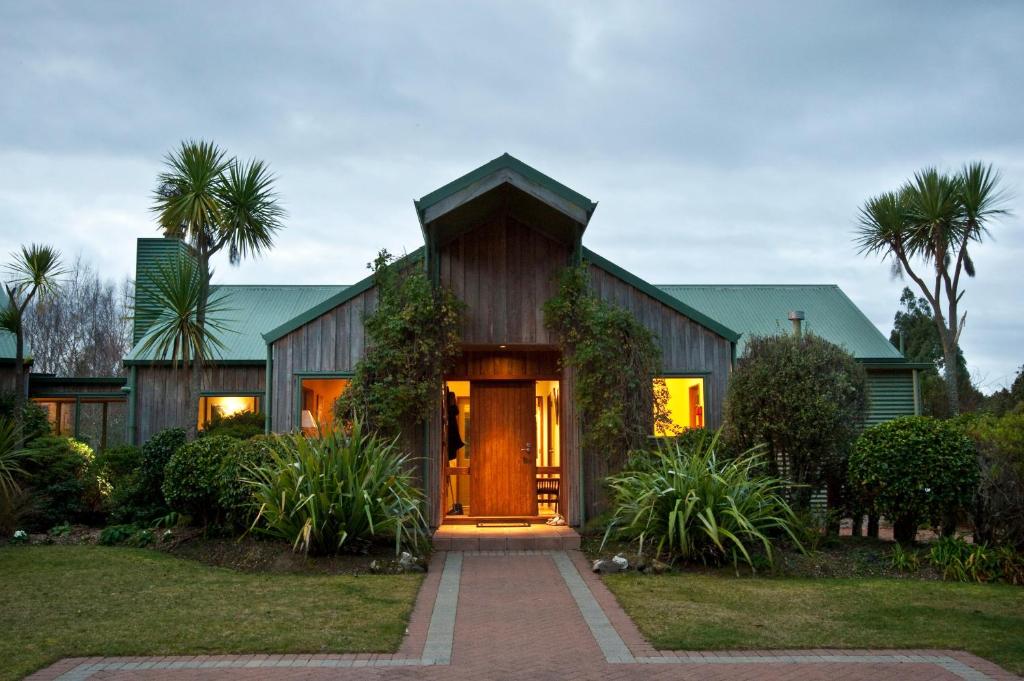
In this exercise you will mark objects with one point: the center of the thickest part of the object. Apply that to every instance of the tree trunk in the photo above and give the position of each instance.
(873, 525)
(196, 378)
(904, 530)
(951, 374)
(19, 385)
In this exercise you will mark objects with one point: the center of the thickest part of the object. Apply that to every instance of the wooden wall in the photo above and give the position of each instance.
(333, 342)
(161, 393)
(504, 271)
(686, 348)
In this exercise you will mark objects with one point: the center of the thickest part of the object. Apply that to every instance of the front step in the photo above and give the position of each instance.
(537, 537)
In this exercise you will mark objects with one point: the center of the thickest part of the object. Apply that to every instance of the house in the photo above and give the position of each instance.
(497, 237)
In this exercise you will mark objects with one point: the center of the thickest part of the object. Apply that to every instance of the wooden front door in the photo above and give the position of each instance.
(504, 464)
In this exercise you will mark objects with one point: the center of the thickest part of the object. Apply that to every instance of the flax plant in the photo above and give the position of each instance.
(687, 503)
(325, 493)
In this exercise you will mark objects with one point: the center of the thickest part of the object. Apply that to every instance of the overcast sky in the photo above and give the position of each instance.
(726, 143)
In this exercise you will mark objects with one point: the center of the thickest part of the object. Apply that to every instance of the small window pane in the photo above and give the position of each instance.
(685, 404)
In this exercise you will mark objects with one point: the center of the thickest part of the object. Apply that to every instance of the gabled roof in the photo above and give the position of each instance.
(505, 169)
(689, 311)
(763, 310)
(250, 311)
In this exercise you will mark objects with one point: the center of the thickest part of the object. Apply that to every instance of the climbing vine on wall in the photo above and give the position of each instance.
(614, 357)
(412, 340)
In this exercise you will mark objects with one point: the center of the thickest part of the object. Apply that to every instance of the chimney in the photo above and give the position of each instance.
(796, 316)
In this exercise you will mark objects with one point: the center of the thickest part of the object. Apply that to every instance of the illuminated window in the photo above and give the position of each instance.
(98, 421)
(685, 404)
(221, 406)
(317, 401)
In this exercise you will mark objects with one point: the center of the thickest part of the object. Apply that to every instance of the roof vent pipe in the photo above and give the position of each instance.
(796, 316)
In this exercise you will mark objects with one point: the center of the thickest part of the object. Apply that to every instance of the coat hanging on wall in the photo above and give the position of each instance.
(455, 442)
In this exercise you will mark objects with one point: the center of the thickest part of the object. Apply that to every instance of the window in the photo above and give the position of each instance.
(221, 406)
(685, 401)
(99, 421)
(317, 398)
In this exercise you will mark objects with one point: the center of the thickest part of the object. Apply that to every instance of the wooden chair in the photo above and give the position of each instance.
(548, 491)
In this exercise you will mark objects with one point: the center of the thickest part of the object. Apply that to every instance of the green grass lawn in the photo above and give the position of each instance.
(61, 601)
(709, 612)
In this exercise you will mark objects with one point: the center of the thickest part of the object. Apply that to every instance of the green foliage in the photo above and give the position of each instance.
(325, 494)
(999, 506)
(614, 357)
(126, 535)
(921, 342)
(12, 456)
(139, 498)
(192, 478)
(34, 420)
(116, 471)
(914, 469)
(960, 561)
(413, 338)
(241, 426)
(58, 475)
(689, 503)
(904, 559)
(804, 398)
(235, 498)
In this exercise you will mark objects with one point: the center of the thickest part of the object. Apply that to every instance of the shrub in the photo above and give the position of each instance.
(192, 478)
(804, 398)
(141, 499)
(959, 561)
(126, 535)
(234, 497)
(34, 419)
(58, 474)
(242, 425)
(999, 506)
(691, 504)
(326, 493)
(904, 560)
(914, 469)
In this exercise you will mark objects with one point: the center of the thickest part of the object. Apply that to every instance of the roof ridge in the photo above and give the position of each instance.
(750, 285)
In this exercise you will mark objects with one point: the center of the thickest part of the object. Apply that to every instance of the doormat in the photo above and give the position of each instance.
(503, 524)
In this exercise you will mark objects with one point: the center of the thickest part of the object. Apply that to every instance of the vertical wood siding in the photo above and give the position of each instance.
(504, 271)
(333, 342)
(161, 393)
(686, 348)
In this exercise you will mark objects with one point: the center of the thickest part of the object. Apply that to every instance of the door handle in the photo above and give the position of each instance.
(526, 452)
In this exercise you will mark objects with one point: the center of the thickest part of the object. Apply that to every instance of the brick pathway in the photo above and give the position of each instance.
(532, 615)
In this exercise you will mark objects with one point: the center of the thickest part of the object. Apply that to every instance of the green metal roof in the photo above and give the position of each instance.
(250, 311)
(505, 162)
(762, 310)
(8, 344)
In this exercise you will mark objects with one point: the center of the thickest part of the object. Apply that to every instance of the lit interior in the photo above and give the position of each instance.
(685, 405)
(549, 452)
(318, 398)
(222, 406)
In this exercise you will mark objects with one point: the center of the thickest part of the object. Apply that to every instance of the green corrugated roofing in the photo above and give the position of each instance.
(8, 343)
(758, 310)
(250, 312)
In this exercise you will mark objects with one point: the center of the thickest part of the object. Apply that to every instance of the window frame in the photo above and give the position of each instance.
(258, 395)
(703, 375)
(298, 377)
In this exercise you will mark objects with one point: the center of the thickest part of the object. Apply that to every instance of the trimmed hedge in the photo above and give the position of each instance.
(912, 470)
(192, 478)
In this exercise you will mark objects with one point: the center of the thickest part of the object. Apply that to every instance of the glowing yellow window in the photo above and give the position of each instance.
(318, 398)
(221, 406)
(684, 402)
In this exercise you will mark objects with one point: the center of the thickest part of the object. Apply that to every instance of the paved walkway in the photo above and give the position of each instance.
(534, 615)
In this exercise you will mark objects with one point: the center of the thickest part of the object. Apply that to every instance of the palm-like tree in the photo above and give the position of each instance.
(214, 203)
(173, 290)
(33, 272)
(934, 219)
